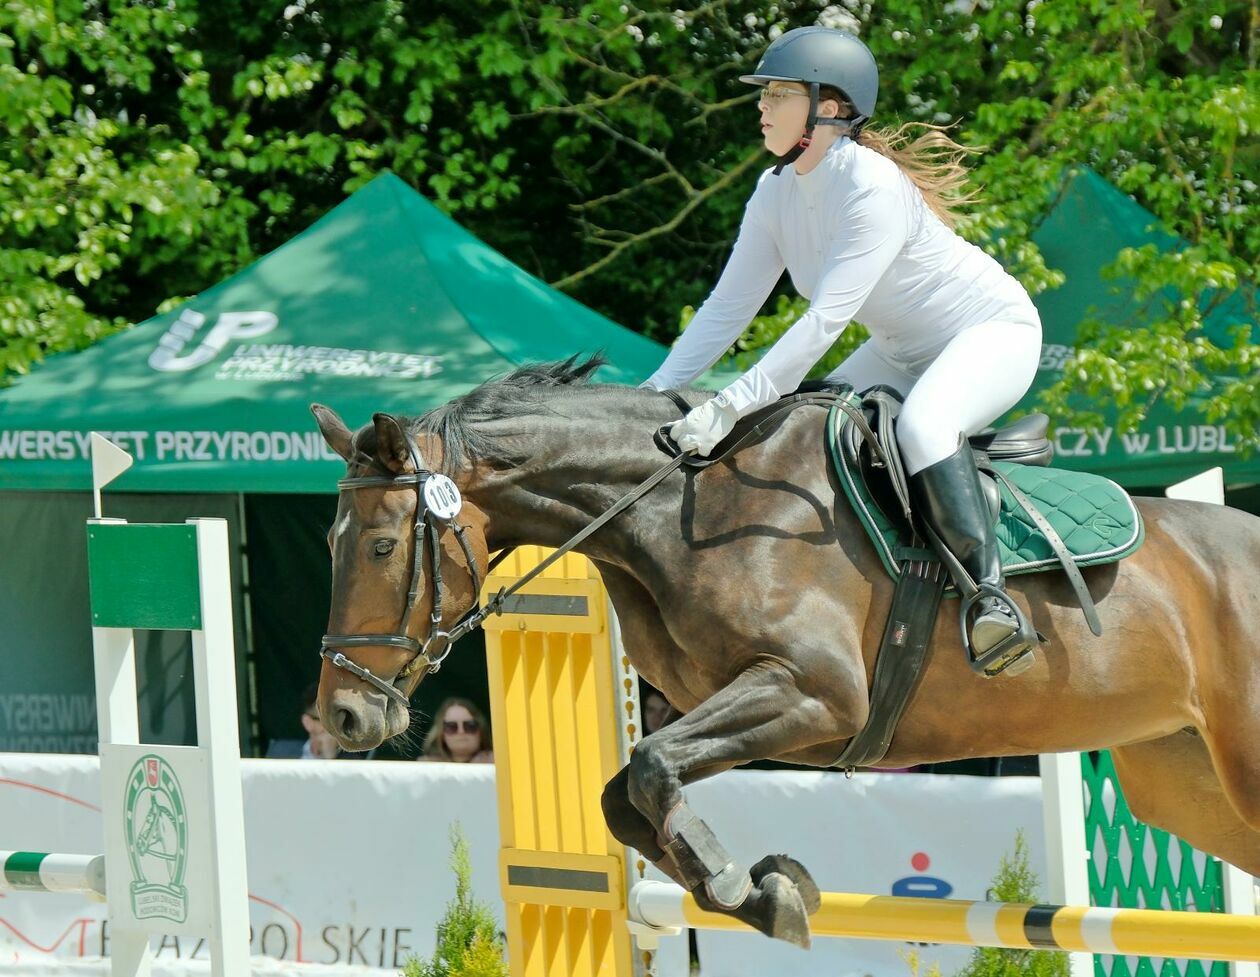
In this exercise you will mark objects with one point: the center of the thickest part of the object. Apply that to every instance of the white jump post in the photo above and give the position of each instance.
(174, 816)
(174, 821)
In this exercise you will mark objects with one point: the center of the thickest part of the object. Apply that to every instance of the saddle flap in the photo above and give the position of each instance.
(880, 467)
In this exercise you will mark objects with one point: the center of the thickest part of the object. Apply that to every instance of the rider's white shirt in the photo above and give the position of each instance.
(859, 242)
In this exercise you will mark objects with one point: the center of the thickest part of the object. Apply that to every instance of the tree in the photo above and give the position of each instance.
(1159, 98)
(467, 943)
(149, 149)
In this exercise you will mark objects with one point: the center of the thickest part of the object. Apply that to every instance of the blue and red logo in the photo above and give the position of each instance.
(922, 886)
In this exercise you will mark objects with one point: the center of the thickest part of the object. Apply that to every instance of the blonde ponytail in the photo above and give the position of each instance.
(933, 162)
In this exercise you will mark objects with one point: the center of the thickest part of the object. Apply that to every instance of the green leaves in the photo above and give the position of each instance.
(150, 150)
(77, 176)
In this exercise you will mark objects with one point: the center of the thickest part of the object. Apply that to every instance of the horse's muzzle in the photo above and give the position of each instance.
(362, 720)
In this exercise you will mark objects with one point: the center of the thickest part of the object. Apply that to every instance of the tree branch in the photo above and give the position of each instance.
(697, 198)
(570, 108)
(609, 198)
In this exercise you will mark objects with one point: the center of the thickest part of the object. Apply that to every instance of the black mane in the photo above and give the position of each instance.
(516, 395)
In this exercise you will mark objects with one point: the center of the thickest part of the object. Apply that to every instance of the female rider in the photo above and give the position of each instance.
(863, 226)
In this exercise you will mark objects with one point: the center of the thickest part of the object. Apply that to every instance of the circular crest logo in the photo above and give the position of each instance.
(156, 825)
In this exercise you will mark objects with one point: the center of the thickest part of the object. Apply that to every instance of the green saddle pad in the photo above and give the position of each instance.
(1095, 517)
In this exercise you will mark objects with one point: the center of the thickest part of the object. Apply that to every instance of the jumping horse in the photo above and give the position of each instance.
(749, 594)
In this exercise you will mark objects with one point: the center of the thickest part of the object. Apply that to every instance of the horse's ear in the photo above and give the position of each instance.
(334, 430)
(391, 443)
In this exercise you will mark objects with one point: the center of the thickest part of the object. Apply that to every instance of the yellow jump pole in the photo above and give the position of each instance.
(1131, 932)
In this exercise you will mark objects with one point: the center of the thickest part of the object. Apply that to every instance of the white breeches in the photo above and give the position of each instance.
(979, 375)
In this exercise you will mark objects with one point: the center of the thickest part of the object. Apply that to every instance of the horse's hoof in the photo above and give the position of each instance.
(780, 911)
(782, 897)
(796, 872)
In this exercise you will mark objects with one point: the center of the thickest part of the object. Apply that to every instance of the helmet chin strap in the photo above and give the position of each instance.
(851, 126)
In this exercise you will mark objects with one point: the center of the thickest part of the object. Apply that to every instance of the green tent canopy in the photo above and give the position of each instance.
(383, 304)
(1089, 225)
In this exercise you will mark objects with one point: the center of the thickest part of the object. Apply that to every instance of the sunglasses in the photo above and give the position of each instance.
(452, 726)
(776, 96)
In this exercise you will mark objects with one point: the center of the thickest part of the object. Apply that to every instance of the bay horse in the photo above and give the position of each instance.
(748, 593)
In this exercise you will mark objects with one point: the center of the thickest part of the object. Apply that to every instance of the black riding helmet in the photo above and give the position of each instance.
(817, 56)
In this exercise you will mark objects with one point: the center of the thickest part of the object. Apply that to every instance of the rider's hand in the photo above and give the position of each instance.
(705, 426)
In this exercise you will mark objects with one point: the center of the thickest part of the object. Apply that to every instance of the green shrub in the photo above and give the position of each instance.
(1015, 882)
(468, 942)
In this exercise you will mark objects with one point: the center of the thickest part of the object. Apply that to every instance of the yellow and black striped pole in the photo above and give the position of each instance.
(1132, 932)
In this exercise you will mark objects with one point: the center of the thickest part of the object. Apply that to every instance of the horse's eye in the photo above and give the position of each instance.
(384, 547)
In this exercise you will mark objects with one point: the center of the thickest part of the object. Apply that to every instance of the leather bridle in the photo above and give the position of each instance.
(437, 503)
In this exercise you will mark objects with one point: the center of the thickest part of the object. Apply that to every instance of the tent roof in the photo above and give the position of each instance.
(383, 304)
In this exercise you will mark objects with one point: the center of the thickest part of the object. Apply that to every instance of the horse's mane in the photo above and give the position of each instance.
(518, 394)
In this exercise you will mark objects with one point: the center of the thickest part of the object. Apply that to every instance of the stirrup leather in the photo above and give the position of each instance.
(1014, 653)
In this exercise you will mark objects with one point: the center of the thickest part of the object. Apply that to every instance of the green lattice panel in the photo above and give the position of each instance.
(1135, 866)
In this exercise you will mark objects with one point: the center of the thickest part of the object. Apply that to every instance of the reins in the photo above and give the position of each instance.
(437, 646)
(477, 616)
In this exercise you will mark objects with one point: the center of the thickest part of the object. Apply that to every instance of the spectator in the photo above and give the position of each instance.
(319, 743)
(459, 734)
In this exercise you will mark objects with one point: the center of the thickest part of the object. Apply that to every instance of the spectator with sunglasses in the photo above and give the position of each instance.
(459, 734)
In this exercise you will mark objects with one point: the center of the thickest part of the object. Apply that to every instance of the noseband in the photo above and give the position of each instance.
(437, 503)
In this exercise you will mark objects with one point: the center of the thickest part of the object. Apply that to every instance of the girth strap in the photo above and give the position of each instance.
(902, 657)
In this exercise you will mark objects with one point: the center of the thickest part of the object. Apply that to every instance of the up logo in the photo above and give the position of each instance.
(169, 356)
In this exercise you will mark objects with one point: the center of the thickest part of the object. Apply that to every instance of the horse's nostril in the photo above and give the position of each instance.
(344, 722)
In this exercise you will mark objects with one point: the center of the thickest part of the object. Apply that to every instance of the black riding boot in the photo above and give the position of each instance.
(951, 497)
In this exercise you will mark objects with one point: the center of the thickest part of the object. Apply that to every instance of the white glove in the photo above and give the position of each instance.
(705, 426)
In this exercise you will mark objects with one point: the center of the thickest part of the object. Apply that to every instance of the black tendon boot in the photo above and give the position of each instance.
(955, 507)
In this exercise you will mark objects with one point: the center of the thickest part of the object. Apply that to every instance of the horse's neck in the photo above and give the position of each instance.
(576, 465)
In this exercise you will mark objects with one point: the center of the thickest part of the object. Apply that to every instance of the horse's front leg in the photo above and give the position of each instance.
(762, 713)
